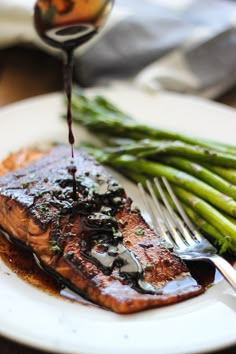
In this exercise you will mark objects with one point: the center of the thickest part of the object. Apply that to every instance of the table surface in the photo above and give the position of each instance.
(24, 73)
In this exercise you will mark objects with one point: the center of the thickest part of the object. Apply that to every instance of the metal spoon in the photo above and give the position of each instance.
(67, 24)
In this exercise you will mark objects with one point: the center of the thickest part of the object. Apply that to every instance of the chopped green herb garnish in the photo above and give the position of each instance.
(24, 184)
(43, 208)
(139, 232)
(149, 266)
(116, 232)
(53, 246)
(91, 190)
(40, 194)
(69, 234)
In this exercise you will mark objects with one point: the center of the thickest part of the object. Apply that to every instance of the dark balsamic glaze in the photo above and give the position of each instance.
(72, 170)
(68, 67)
(92, 217)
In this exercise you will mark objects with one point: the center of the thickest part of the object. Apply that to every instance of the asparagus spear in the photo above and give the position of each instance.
(100, 115)
(180, 178)
(207, 229)
(156, 149)
(204, 174)
(227, 173)
(210, 214)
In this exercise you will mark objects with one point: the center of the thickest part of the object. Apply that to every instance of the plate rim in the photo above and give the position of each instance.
(56, 96)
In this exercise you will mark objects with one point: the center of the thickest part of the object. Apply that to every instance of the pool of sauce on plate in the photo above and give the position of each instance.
(67, 25)
(22, 263)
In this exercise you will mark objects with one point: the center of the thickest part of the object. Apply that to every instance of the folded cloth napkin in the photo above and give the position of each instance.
(186, 46)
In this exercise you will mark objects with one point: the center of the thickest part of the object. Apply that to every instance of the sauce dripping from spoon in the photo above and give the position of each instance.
(66, 25)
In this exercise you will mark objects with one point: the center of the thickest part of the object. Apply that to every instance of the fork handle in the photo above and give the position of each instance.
(226, 269)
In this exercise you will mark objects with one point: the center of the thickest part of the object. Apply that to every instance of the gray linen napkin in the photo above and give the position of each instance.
(187, 45)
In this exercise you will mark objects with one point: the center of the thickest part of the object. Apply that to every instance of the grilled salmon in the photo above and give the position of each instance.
(96, 242)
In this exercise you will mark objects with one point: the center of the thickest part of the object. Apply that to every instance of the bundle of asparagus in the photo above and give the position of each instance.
(201, 172)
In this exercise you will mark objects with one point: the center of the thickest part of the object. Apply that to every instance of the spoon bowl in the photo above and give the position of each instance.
(67, 24)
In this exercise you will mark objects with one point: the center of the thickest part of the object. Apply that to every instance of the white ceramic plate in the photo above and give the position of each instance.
(30, 316)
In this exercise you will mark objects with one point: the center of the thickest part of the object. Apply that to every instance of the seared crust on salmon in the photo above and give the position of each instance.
(98, 245)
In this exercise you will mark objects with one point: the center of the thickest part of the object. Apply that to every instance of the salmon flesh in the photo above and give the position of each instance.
(97, 244)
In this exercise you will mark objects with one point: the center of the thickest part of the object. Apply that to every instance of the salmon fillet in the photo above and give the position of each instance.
(98, 245)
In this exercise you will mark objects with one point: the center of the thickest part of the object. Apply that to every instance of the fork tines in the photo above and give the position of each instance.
(175, 229)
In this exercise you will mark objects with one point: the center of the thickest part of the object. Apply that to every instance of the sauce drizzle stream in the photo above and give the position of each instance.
(66, 25)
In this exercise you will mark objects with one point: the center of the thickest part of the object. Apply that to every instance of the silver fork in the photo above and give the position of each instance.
(179, 231)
